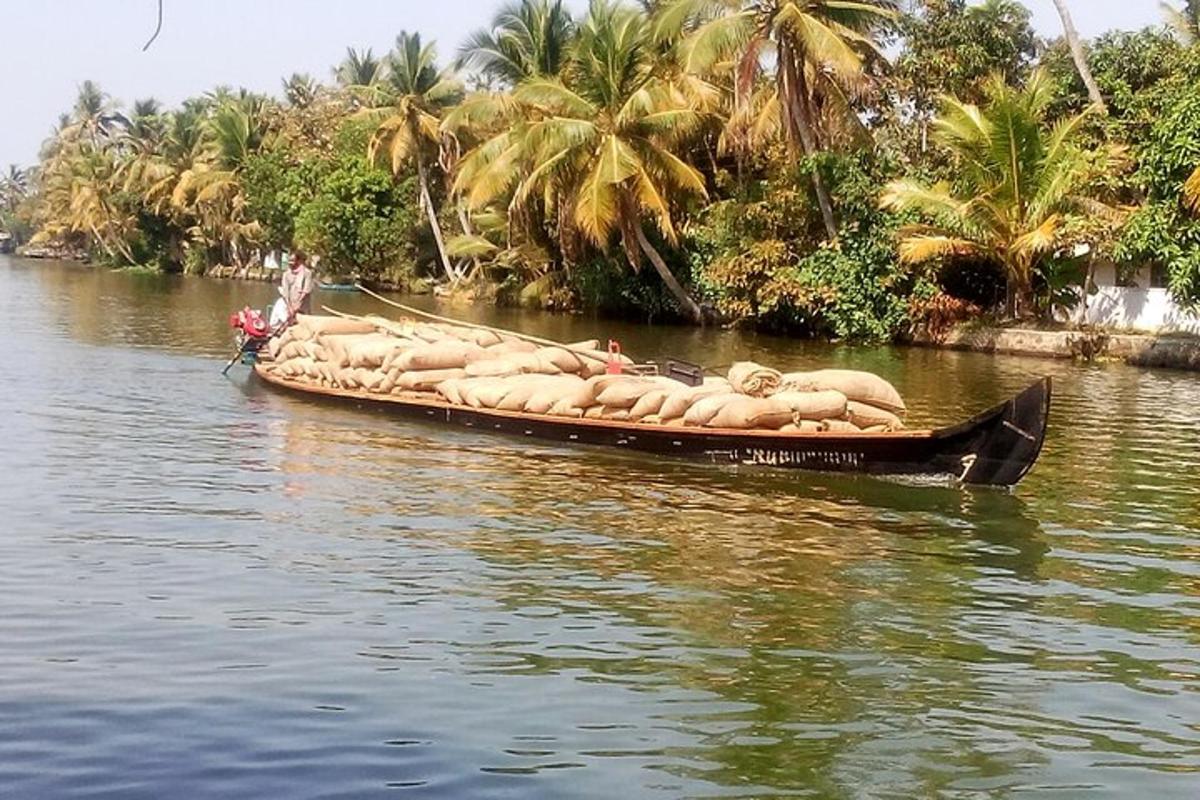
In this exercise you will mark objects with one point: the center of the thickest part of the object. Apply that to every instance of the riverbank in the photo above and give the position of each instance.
(1169, 351)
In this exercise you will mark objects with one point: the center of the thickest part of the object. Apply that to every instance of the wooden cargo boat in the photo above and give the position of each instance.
(995, 448)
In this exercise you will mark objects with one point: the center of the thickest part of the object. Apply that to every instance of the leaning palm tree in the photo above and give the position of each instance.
(1078, 55)
(818, 49)
(419, 93)
(604, 144)
(527, 39)
(1020, 179)
(1185, 22)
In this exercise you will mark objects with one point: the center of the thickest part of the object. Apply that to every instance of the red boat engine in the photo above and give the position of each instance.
(250, 322)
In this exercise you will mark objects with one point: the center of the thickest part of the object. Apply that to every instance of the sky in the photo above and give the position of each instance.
(50, 46)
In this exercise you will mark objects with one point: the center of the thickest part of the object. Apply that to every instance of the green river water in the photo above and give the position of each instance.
(210, 589)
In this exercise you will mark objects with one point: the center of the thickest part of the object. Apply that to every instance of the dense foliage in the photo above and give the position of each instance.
(829, 168)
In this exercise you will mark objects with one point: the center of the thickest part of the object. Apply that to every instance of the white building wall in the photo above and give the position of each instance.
(1136, 307)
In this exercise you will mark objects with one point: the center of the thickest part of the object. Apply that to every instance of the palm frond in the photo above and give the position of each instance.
(553, 96)
(596, 208)
(921, 247)
(1191, 191)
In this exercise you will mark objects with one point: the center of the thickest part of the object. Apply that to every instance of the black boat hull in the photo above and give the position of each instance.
(995, 448)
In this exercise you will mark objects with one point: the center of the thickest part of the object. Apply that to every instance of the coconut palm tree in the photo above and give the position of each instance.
(359, 68)
(818, 49)
(1020, 179)
(527, 39)
(210, 191)
(94, 115)
(604, 144)
(1078, 55)
(300, 90)
(418, 93)
(14, 186)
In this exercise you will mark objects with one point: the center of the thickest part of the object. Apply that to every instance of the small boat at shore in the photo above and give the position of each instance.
(329, 286)
(997, 447)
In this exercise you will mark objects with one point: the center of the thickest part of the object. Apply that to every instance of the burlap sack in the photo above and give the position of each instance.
(512, 364)
(813, 405)
(752, 413)
(868, 416)
(839, 426)
(427, 380)
(487, 394)
(565, 409)
(332, 325)
(753, 379)
(593, 412)
(564, 388)
(510, 346)
(274, 346)
(680, 400)
(803, 426)
(614, 414)
(373, 352)
(369, 379)
(702, 411)
(863, 387)
(485, 338)
(304, 366)
(563, 359)
(649, 404)
(541, 391)
(338, 346)
(451, 390)
(402, 329)
(448, 354)
(293, 349)
(300, 333)
(430, 332)
(624, 393)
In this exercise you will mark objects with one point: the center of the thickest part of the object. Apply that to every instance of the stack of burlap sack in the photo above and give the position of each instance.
(489, 370)
(389, 357)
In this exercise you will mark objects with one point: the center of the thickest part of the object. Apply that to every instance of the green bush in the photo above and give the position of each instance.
(759, 259)
(360, 221)
(1162, 231)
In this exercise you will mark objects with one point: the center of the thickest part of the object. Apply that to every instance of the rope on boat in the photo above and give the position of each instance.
(451, 321)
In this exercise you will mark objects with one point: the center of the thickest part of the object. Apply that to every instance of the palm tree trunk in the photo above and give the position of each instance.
(427, 201)
(1080, 57)
(793, 92)
(685, 300)
(464, 219)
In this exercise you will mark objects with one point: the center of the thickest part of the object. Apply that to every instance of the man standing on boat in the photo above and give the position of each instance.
(297, 286)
